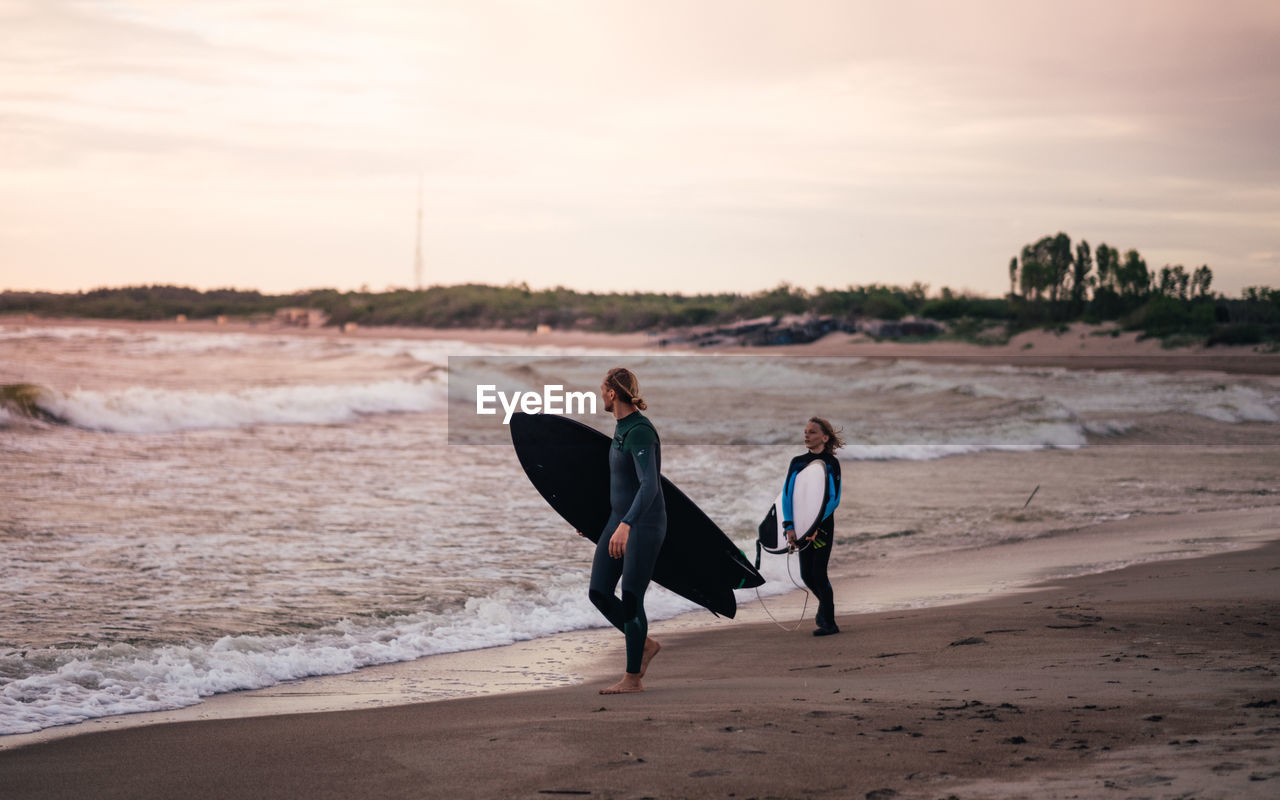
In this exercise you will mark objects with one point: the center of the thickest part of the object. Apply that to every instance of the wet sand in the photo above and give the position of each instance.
(1157, 680)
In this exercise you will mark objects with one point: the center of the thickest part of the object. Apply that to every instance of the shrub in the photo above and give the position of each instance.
(1243, 333)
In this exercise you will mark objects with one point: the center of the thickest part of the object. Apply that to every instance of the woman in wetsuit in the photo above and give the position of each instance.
(629, 545)
(822, 441)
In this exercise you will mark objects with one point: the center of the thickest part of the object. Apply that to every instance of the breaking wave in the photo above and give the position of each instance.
(140, 409)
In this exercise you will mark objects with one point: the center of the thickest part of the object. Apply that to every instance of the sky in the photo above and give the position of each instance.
(678, 146)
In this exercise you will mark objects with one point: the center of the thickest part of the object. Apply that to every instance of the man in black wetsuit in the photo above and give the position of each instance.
(629, 545)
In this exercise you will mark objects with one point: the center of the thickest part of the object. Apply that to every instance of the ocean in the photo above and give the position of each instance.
(204, 512)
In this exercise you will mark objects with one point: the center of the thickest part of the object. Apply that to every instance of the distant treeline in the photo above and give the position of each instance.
(1052, 282)
(481, 306)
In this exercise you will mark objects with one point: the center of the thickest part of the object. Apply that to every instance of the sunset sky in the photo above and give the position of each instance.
(674, 146)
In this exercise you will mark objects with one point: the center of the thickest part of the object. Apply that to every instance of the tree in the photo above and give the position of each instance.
(915, 295)
(1132, 276)
(1108, 259)
(1200, 281)
(1107, 303)
(1173, 281)
(883, 305)
(1080, 278)
(1060, 261)
(1035, 270)
(1013, 275)
(1046, 266)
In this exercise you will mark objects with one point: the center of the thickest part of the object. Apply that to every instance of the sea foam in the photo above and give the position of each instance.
(41, 688)
(140, 409)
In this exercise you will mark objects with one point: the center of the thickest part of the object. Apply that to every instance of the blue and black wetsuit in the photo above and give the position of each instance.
(814, 558)
(635, 496)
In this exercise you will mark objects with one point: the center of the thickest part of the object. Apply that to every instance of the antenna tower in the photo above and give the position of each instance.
(417, 248)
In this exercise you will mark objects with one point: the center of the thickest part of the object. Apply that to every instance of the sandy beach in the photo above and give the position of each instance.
(1076, 346)
(1157, 680)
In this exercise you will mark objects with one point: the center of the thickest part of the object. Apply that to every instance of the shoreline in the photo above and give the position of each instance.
(1159, 677)
(930, 581)
(1080, 347)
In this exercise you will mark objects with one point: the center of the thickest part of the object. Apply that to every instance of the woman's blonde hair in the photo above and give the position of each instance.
(834, 440)
(624, 382)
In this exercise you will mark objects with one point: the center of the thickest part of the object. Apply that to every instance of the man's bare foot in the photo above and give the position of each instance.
(630, 683)
(651, 649)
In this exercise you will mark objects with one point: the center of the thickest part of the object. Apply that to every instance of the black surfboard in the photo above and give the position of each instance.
(568, 463)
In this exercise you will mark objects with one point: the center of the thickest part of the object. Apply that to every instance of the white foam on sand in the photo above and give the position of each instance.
(550, 658)
(50, 687)
(61, 686)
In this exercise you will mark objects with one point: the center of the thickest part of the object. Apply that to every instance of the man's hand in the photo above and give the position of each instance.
(618, 542)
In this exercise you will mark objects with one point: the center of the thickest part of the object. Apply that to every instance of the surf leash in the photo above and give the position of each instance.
(803, 608)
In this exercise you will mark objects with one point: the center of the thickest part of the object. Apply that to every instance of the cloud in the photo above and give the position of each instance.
(825, 142)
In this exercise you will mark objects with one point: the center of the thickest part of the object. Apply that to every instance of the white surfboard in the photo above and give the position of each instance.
(808, 496)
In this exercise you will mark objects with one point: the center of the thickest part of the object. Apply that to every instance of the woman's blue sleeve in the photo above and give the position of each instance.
(833, 495)
(834, 487)
(788, 486)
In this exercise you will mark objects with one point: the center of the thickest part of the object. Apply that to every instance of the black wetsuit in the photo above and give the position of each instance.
(814, 557)
(635, 496)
